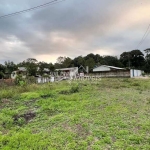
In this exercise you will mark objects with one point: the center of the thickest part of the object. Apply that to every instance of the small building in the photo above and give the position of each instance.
(136, 73)
(112, 71)
(21, 70)
(68, 72)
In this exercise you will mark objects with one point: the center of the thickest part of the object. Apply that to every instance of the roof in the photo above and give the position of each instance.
(46, 69)
(111, 67)
(66, 69)
(22, 69)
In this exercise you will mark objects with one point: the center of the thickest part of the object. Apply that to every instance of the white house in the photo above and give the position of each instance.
(68, 72)
(21, 70)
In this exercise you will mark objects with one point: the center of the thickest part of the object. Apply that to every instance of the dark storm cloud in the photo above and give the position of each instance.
(71, 28)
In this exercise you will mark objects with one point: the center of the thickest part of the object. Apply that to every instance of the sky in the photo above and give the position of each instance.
(72, 28)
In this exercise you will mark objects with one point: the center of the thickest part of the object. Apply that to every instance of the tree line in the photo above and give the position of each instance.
(132, 59)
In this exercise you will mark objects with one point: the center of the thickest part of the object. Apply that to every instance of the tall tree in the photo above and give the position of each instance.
(31, 66)
(98, 59)
(51, 67)
(67, 62)
(137, 58)
(10, 66)
(147, 59)
(60, 59)
(147, 51)
(125, 59)
(2, 70)
(78, 61)
(90, 63)
(134, 58)
(41, 66)
(111, 61)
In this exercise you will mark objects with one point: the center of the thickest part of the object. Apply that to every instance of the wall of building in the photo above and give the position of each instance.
(135, 73)
(124, 73)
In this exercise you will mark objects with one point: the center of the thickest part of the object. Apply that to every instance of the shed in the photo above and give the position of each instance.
(68, 72)
(111, 71)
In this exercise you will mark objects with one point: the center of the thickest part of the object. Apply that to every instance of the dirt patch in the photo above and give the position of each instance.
(4, 102)
(142, 77)
(28, 103)
(24, 117)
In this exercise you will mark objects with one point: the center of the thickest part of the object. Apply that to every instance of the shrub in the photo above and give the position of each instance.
(74, 88)
(19, 80)
(135, 84)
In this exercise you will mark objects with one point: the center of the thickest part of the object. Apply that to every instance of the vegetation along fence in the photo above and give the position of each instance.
(9, 82)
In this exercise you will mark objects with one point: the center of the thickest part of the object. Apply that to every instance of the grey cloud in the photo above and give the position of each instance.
(70, 28)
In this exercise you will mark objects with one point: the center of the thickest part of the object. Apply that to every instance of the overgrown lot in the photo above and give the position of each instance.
(86, 115)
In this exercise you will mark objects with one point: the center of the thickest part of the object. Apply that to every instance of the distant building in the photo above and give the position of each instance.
(68, 72)
(112, 71)
(21, 70)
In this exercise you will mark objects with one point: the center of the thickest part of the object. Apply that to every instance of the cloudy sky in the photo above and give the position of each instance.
(72, 28)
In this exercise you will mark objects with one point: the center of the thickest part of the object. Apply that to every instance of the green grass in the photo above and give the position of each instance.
(111, 114)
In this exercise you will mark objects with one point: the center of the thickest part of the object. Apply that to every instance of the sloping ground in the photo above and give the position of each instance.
(90, 115)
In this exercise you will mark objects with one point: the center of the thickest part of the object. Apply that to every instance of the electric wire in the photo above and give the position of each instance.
(31, 9)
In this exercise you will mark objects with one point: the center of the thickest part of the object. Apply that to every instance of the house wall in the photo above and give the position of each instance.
(123, 73)
(135, 73)
(42, 79)
(13, 75)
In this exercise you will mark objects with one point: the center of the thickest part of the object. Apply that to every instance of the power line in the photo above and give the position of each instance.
(31, 9)
(144, 37)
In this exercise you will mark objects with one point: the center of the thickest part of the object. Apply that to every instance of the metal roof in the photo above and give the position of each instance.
(22, 69)
(110, 67)
(66, 69)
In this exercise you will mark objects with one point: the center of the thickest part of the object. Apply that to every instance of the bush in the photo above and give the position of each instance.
(74, 88)
(19, 80)
(143, 74)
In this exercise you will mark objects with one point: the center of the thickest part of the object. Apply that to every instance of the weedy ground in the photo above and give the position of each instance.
(86, 115)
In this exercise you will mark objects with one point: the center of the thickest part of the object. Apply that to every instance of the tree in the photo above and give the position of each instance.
(51, 67)
(147, 58)
(78, 61)
(137, 58)
(41, 66)
(134, 58)
(147, 51)
(2, 70)
(125, 59)
(90, 63)
(10, 67)
(98, 59)
(111, 61)
(31, 66)
(67, 62)
(91, 55)
(60, 59)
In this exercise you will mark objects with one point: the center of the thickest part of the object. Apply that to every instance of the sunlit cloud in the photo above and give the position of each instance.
(72, 28)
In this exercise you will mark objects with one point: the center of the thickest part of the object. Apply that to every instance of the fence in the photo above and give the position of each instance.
(9, 82)
(124, 74)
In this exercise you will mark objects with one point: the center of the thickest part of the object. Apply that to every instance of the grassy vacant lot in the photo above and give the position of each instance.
(107, 114)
